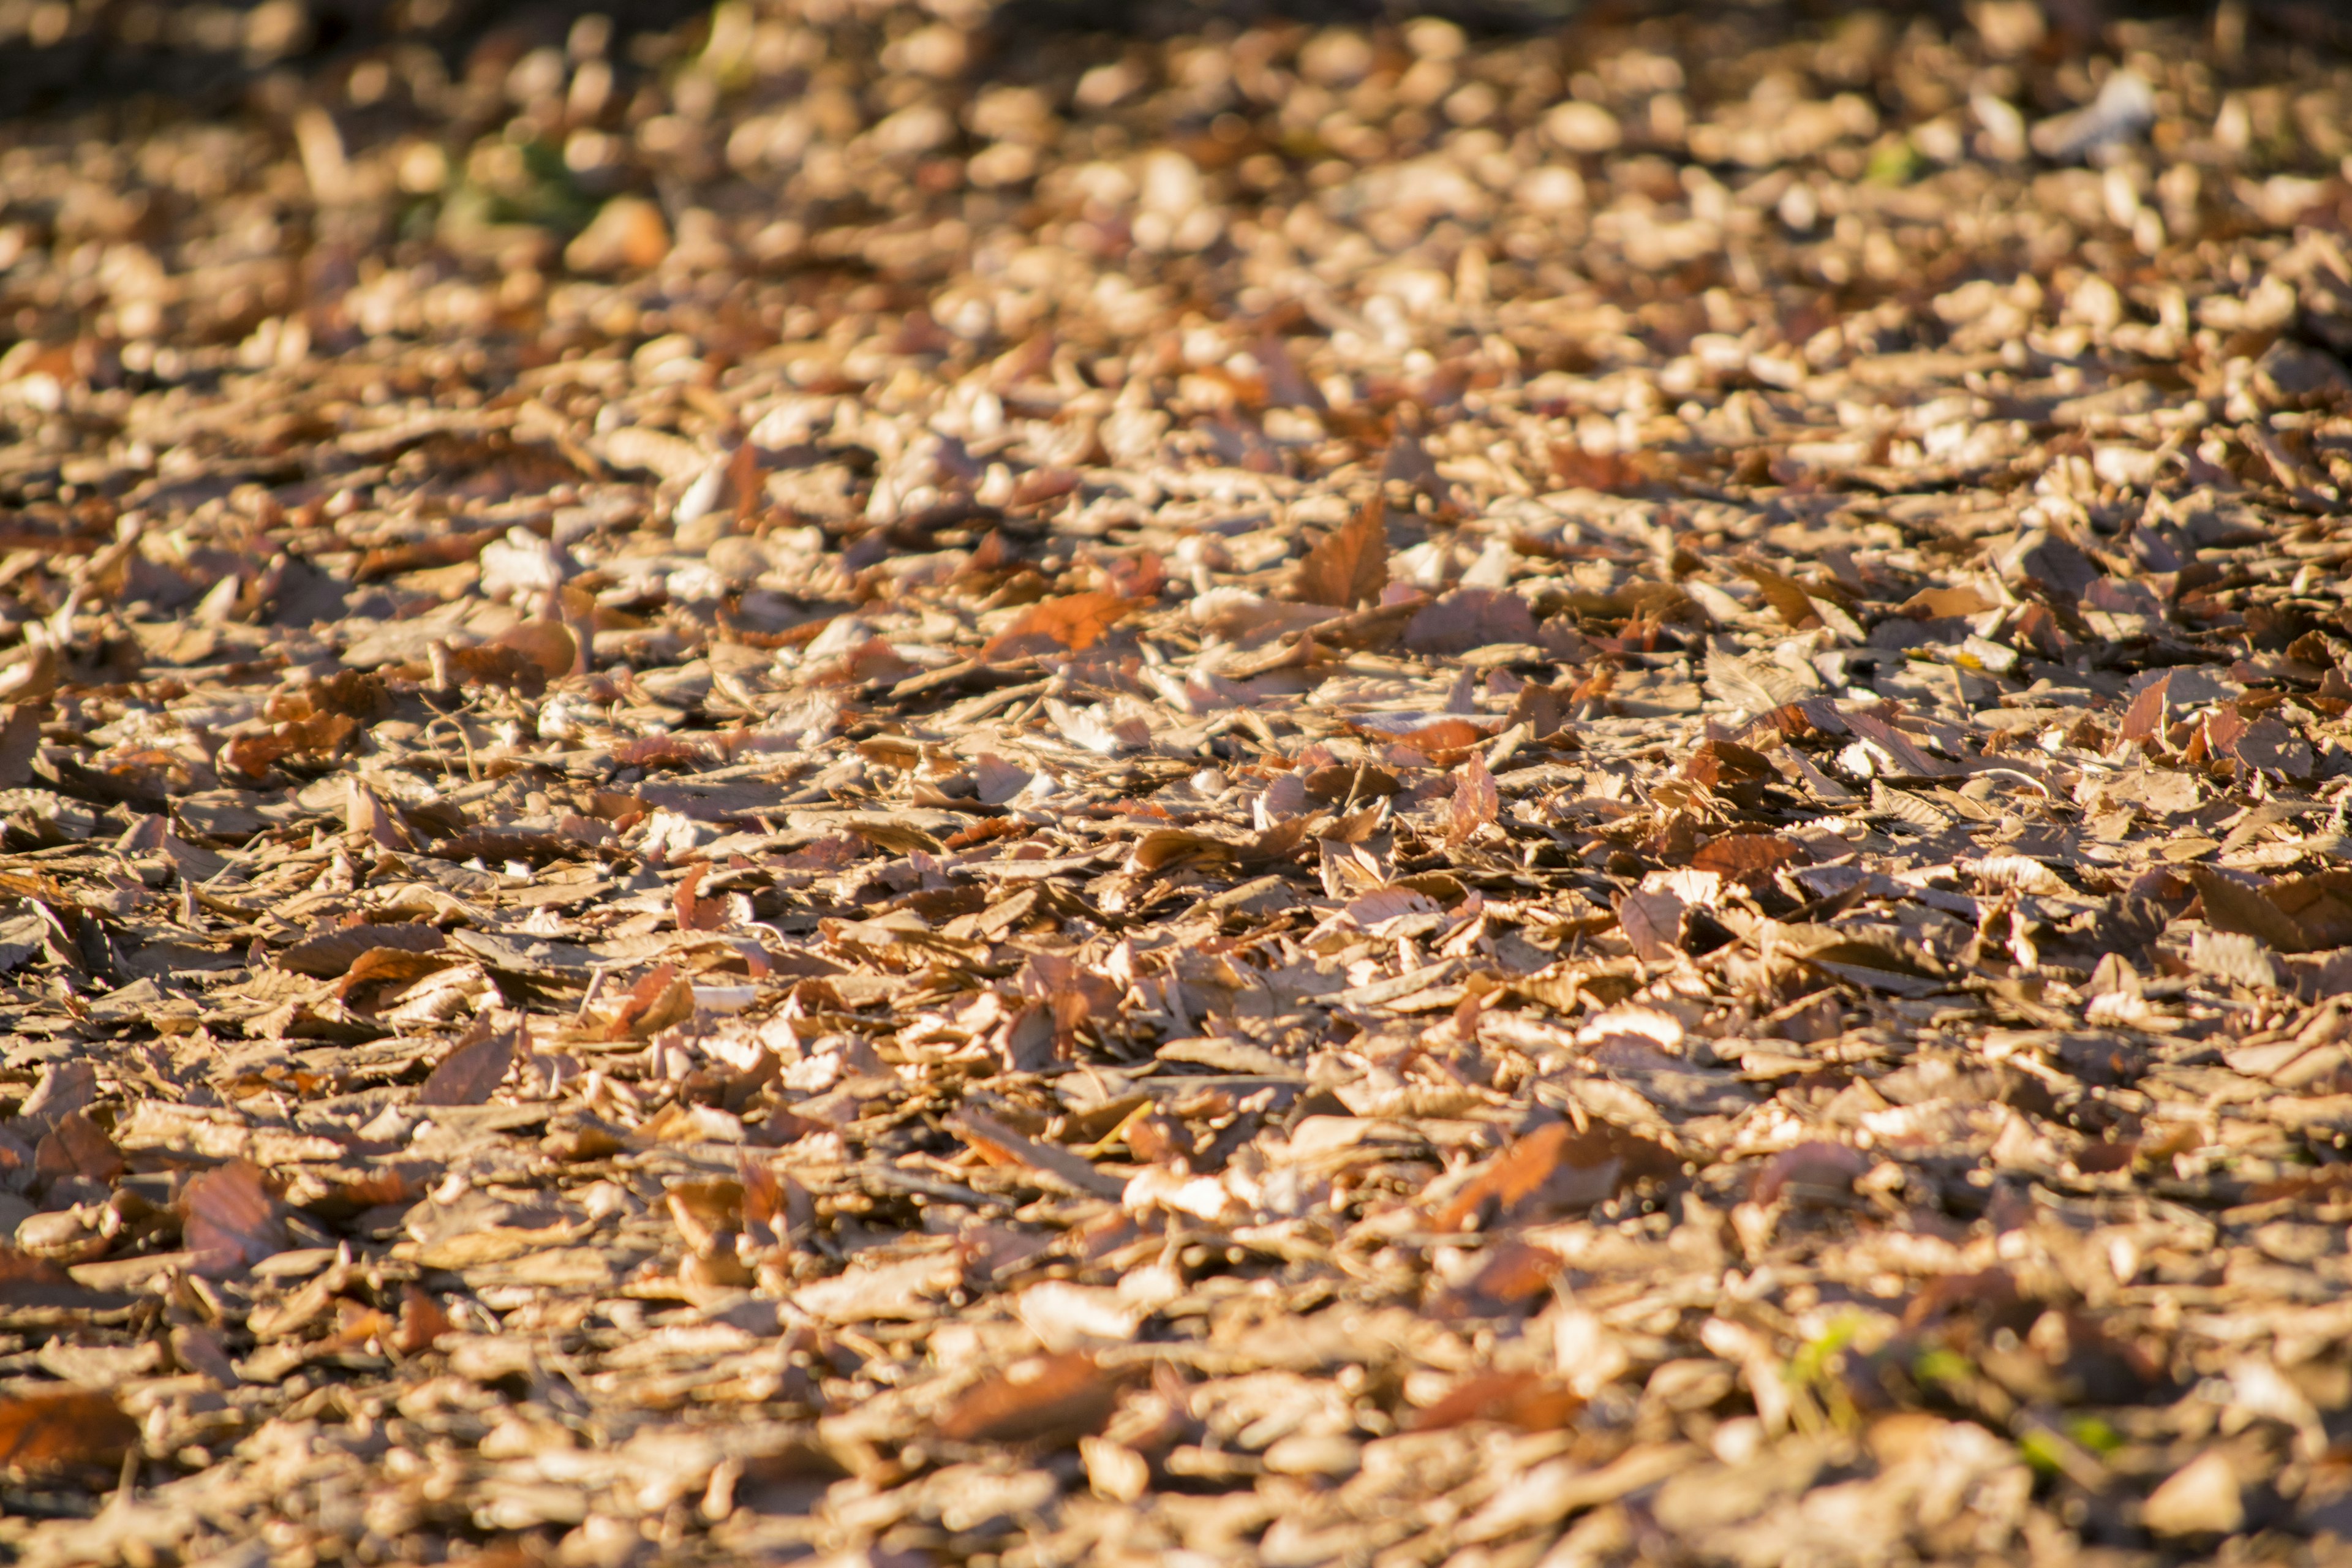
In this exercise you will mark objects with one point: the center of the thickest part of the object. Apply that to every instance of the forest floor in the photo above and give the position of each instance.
(892, 785)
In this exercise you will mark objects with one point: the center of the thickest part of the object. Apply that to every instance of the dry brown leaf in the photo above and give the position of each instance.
(1073, 623)
(472, 1072)
(1053, 1400)
(1554, 1166)
(1473, 803)
(2232, 906)
(2144, 720)
(1526, 1400)
(550, 646)
(330, 955)
(49, 1434)
(1347, 566)
(229, 1220)
(1470, 618)
(77, 1146)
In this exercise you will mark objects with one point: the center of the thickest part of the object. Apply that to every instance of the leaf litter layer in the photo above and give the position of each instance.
(884, 785)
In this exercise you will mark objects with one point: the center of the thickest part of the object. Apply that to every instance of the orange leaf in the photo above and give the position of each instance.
(550, 645)
(1348, 566)
(1521, 1399)
(1055, 1399)
(2144, 720)
(1749, 857)
(694, 911)
(45, 1432)
(1787, 596)
(1075, 621)
(422, 1321)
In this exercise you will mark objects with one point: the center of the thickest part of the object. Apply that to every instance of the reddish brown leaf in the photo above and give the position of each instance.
(381, 971)
(655, 753)
(332, 953)
(693, 912)
(1347, 566)
(252, 756)
(498, 843)
(1652, 922)
(471, 1074)
(2144, 720)
(1429, 733)
(660, 999)
(1712, 762)
(1470, 618)
(494, 664)
(1511, 1276)
(1813, 1172)
(1000, 1144)
(49, 1434)
(1612, 473)
(1554, 1166)
(359, 694)
(1474, 801)
(77, 1146)
(1749, 857)
(1053, 1399)
(439, 549)
(228, 1219)
(1526, 1400)
(421, 1324)
(1075, 622)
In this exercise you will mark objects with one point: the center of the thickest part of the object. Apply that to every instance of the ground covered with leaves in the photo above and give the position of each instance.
(892, 786)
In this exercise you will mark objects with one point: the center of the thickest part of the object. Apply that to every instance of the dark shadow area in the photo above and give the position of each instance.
(203, 59)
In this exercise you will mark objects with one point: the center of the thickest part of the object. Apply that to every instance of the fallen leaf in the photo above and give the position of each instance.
(1076, 623)
(1652, 922)
(1052, 1400)
(472, 1072)
(49, 1434)
(229, 1220)
(1529, 1401)
(1470, 618)
(1347, 566)
(1473, 803)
